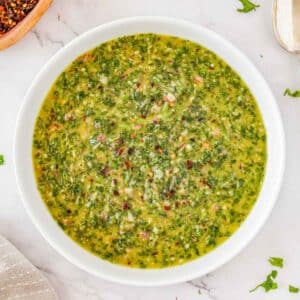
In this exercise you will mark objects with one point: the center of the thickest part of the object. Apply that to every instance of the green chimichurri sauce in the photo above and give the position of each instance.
(149, 151)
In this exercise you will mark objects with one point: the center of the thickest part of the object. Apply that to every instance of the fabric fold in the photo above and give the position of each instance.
(19, 279)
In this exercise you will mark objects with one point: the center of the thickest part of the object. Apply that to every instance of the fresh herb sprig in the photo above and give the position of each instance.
(247, 6)
(1, 159)
(269, 284)
(293, 289)
(294, 94)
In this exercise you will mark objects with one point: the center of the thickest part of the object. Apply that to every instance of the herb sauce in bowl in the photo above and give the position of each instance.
(149, 151)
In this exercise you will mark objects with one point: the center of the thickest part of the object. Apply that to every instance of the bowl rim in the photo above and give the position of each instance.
(150, 277)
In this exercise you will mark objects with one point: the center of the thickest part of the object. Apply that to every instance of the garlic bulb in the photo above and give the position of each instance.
(286, 23)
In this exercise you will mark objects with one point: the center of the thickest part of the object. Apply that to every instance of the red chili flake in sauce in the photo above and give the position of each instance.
(125, 205)
(120, 142)
(167, 206)
(145, 235)
(170, 194)
(128, 164)
(105, 171)
(101, 138)
(158, 149)
(119, 151)
(14, 11)
(189, 164)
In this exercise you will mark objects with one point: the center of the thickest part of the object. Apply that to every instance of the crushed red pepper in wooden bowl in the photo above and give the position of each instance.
(14, 11)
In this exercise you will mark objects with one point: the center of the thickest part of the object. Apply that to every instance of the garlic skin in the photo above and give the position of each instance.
(286, 24)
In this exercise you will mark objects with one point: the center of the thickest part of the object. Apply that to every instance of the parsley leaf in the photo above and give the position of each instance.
(269, 283)
(293, 289)
(276, 261)
(1, 160)
(247, 6)
(294, 94)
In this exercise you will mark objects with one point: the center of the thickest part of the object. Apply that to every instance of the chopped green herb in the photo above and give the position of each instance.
(1, 159)
(269, 284)
(247, 6)
(276, 261)
(294, 94)
(293, 289)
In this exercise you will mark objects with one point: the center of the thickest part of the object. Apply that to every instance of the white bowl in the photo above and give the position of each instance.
(148, 277)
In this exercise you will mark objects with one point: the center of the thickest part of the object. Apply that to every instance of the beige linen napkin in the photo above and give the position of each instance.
(19, 279)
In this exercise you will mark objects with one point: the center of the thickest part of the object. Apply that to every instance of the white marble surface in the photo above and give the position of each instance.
(252, 33)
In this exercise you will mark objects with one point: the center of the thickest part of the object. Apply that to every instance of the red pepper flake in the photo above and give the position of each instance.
(145, 235)
(125, 205)
(86, 57)
(119, 151)
(116, 193)
(189, 164)
(54, 126)
(167, 206)
(198, 80)
(120, 141)
(105, 171)
(128, 164)
(101, 138)
(158, 149)
(170, 193)
(204, 182)
(14, 11)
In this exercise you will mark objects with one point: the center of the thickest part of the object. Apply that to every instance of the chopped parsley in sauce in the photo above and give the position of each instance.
(149, 151)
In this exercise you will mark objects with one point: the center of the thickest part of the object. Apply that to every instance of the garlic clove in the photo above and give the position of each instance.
(296, 22)
(286, 24)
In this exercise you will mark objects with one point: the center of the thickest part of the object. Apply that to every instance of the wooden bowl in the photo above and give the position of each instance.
(16, 33)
